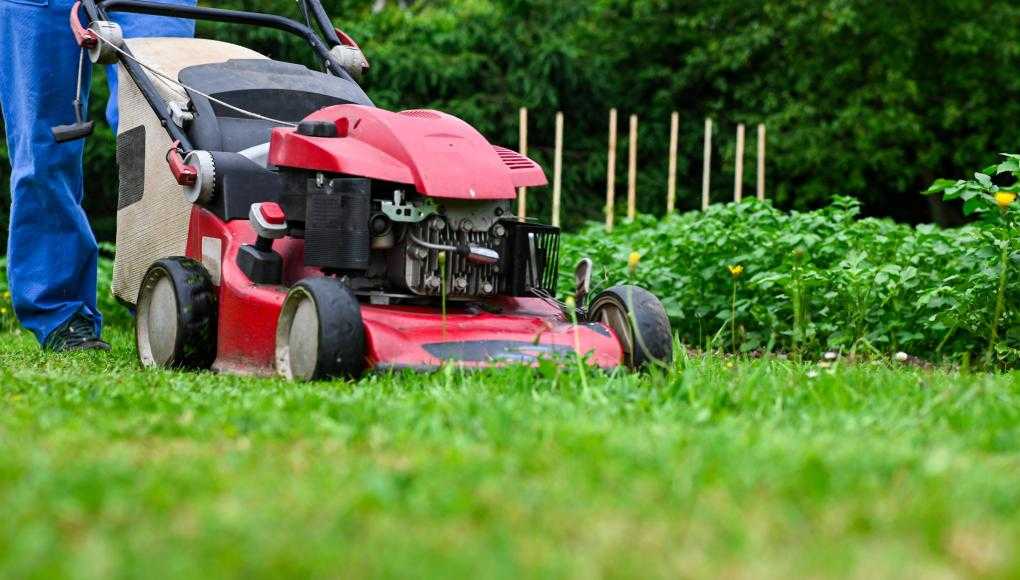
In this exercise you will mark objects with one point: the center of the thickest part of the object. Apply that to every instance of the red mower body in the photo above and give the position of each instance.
(500, 331)
(326, 236)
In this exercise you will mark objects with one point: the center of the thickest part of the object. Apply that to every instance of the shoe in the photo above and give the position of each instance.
(77, 334)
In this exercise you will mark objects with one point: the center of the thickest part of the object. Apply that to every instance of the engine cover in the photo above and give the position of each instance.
(439, 154)
(337, 233)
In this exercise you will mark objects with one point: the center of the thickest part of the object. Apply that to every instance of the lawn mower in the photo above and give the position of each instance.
(272, 219)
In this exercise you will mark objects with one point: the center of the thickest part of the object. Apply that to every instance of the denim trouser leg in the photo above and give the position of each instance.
(52, 253)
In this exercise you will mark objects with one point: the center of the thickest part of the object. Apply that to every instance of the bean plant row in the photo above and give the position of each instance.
(749, 278)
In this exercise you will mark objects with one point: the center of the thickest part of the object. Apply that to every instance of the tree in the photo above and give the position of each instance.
(871, 99)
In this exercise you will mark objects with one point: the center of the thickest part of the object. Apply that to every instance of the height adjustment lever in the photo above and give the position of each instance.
(184, 174)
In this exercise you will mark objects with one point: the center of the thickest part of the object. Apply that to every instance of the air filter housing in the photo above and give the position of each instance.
(337, 235)
(531, 254)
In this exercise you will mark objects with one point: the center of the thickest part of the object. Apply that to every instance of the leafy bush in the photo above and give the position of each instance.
(815, 281)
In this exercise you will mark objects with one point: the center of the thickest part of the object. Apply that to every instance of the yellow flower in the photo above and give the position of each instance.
(3, 311)
(7, 295)
(736, 270)
(1004, 198)
(632, 261)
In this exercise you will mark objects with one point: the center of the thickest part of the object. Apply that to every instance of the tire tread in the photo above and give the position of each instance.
(197, 311)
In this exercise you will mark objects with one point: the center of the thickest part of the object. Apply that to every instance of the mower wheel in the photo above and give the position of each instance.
(320, 334)
(639, 321)
(176, 320)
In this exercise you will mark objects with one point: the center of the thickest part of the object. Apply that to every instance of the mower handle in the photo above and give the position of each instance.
(97, 10)
(322, 19)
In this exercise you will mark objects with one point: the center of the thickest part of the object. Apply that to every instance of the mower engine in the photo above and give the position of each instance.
(387, 237)
(392, 240)
(472, 241)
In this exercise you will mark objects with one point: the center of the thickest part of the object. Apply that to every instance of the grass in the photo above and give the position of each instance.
(720, 468)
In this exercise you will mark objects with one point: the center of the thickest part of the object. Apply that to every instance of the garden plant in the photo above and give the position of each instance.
(749, 278)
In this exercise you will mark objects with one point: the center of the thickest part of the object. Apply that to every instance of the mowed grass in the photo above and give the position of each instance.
(719, 468)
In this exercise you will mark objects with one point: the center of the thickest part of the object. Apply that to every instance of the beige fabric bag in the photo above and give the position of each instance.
(152, 214)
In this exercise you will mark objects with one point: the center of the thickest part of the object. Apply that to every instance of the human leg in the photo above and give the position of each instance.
(52, 252)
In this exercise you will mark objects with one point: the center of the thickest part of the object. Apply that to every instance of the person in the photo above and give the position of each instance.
(52, 255)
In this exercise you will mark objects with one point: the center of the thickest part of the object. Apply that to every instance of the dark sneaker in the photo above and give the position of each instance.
(77, 334)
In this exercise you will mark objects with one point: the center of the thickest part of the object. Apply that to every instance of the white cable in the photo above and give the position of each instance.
(166, 79)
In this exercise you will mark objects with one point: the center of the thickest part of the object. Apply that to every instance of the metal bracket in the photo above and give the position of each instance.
(398, 211)
(180, 114)
(582, 281)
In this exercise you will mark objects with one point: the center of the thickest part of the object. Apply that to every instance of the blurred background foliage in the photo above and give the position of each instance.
(862, 98)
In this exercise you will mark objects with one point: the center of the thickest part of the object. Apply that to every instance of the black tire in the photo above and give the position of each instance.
(176, 322)
(639, 320)
(324, 309)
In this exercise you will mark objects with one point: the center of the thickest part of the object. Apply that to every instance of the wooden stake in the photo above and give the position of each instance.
(557, 171)
(738, 179)
(611, 172)
(674, 137)
(522, 192)
(761, 162)
(706, 172)
(632, 170)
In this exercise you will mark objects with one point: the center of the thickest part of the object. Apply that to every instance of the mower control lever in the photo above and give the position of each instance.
(268, 221)
(185, 174)
(350, 55)
(258, 261)
(83, 36)
(81, 127)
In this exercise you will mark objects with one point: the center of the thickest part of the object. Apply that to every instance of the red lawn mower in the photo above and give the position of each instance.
(272, 219)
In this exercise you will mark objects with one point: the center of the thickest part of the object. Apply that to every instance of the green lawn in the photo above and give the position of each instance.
(762, 468)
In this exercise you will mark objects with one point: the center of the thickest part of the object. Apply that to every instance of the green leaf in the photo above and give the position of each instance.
(970, 193)
(972, 205)
(939, 186)
(953, 192)
(1008, 166)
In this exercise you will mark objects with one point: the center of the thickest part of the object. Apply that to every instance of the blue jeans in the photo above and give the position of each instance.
(52, 252)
